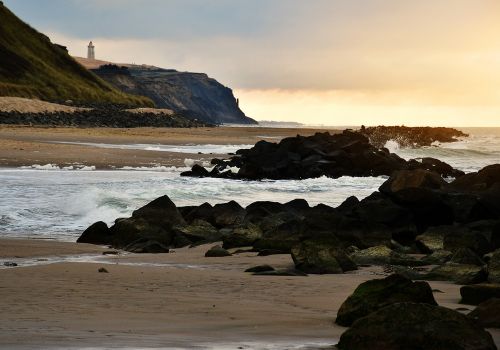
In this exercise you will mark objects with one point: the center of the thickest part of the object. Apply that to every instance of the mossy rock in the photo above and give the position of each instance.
(382, 255)
(415, 326)
(494, 267)
(321, 256)
(375, 294)
(458, 273)
(243, 236)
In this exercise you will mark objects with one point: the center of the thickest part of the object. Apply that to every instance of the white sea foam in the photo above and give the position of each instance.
(56, 167)
(189, 148)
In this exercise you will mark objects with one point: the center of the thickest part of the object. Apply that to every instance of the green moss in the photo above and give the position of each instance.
(31, 66)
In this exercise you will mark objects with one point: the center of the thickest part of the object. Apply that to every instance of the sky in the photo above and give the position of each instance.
(330, 62)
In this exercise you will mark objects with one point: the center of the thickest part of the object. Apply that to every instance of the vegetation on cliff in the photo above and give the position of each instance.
(32, 66)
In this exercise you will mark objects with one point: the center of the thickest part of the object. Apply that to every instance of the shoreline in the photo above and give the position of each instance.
(26, 146)
(188, 302)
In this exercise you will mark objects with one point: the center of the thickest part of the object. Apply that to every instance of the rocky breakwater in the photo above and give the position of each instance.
(103, 115)
(346, 154)
(416, 224)
(411, 136)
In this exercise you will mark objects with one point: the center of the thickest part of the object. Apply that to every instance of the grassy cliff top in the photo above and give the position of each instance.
(31, 66)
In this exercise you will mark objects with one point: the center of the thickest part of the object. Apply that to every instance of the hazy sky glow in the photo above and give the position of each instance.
(333, 62)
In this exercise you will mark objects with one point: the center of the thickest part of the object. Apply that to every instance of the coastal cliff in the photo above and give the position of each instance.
(193, 94)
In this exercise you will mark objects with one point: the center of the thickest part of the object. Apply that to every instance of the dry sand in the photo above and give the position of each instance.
(25, 146)
(180, 299)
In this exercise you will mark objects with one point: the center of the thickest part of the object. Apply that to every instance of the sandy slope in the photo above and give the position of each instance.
(26, 105)
(183, 301)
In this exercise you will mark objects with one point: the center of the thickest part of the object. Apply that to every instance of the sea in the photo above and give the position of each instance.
(44, 201)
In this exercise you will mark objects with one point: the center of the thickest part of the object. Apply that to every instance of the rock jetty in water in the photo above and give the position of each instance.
(411, 136)
(346, 154)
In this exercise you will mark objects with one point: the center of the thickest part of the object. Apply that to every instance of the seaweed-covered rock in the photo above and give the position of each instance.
(321, 256)
(376, 294)
(494, 267)
(477, 293)
(467, 257)
(382, 255)
(487, 314)
(403, 326)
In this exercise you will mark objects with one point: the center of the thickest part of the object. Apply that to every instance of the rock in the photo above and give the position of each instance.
(102, 270)
(482, 180)
(242, 236)
(217, 252)
(97, 233)
(438, 257)
(260, 268)
(418, 178)
(403, 326)
(199, 231)
(321, 256)
(463, 237)
(467, 257)
(196, 171)
(487, 314)
(375, 294)
(382, 255)
(494, 267)
(477, 293)
(162, 212)
(144, 245)
(127, 231)
(458, 273)
(228, 214)
(432, 239)
(9, 264)
(267, 252)
(110, 252)
(282, 272)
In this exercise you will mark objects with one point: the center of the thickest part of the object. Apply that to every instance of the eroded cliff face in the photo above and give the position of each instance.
(195, 94)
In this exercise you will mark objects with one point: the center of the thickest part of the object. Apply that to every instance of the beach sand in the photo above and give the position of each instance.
(175, 300)
(25, 146)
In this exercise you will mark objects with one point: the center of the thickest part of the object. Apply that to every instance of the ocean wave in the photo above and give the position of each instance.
(78, 167)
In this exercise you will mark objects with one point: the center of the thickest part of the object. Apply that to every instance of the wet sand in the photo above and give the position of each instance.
(25, 146)
(175, 300)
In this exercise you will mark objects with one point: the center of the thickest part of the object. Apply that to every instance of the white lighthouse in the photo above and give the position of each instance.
(90, 51)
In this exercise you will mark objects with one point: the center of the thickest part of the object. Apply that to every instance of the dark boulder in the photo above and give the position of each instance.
(375, 294)
(145, 245)
(228, 214)
(477, 293)
(97, 233)
(458, 273)
(487, 314)
(217, 252)
(404, 326)
(260, 268)
(417, 178)
(482, 180)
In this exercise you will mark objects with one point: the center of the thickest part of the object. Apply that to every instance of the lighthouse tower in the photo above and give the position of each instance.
(90, 51)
